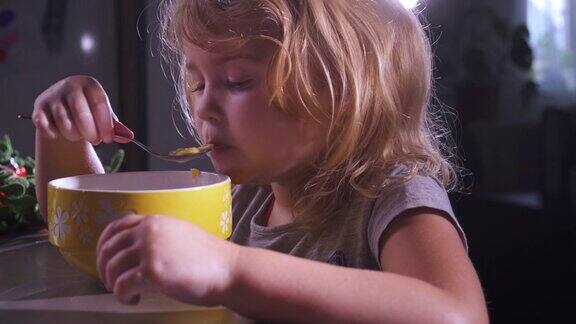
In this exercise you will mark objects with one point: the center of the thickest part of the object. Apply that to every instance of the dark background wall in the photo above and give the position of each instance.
(42, 41)
(515, 133)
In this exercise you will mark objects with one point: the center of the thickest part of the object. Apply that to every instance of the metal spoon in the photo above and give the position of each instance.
(179, 155)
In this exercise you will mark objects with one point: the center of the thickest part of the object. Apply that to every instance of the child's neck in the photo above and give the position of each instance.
(282, 206)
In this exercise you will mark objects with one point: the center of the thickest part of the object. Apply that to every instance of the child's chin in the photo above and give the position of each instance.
(232, 172)
(237, 175)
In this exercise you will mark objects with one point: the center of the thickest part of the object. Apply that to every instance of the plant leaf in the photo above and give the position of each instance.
(6, 149)
(116, 161)
(13, 190)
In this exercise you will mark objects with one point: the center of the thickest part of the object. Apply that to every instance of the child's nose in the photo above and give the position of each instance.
(207, 108)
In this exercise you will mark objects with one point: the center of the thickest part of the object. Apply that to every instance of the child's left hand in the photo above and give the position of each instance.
(162, 254)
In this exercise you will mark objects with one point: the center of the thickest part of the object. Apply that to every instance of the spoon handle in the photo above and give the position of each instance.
(148, 150)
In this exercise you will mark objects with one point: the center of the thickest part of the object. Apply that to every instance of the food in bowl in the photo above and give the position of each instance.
(194, 172)
(181, 151)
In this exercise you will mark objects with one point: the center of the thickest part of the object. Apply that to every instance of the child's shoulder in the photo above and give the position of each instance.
(415, 188)
(418, 191)
(404, 191)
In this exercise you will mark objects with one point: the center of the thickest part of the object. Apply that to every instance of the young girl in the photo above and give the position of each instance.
(318, 110)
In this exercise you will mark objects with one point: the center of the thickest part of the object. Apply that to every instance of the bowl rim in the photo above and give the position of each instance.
(54, 182)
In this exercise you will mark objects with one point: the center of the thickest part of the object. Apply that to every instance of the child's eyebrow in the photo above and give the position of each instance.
(191, 66)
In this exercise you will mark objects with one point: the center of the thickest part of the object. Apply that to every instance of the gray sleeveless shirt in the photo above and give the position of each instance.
(353, 240)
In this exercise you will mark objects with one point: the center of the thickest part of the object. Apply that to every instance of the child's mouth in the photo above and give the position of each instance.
(218, 150)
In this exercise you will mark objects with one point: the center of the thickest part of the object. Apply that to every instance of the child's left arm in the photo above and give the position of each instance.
(427, 275)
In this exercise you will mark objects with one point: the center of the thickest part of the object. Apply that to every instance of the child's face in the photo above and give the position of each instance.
(254, 141)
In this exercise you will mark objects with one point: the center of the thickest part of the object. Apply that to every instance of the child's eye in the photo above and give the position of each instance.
(239, 85)
(196, 87)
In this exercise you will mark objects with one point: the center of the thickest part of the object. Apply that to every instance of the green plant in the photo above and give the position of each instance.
(18, 203)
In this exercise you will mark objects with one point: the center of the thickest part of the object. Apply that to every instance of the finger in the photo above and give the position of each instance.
(121, 224)
(121, 262)
(101, 110)
(122, 130)
(121, 140)
(82, 117)
(44, 125)
(122, 240)
(62, 120)
(129, 286)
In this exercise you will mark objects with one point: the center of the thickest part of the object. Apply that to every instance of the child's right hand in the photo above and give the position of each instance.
(77, 109)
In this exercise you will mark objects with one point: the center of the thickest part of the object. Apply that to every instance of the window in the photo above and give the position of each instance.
(552, 25)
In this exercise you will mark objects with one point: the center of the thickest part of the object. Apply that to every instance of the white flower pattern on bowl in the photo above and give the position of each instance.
(85, 235)
(79, 213)
(109, 212)
(225, 221)
(227, 199)
(60, 226)
(226, 216)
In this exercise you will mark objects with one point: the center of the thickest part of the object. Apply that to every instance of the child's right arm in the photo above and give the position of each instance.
(70, 117)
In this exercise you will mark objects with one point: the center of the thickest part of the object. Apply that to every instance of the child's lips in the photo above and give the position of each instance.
(218, 149)
(218, 144)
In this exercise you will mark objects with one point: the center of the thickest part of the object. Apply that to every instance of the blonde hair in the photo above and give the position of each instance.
(371, 59)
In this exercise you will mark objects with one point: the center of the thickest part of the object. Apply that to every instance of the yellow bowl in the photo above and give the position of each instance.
(80, 207)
